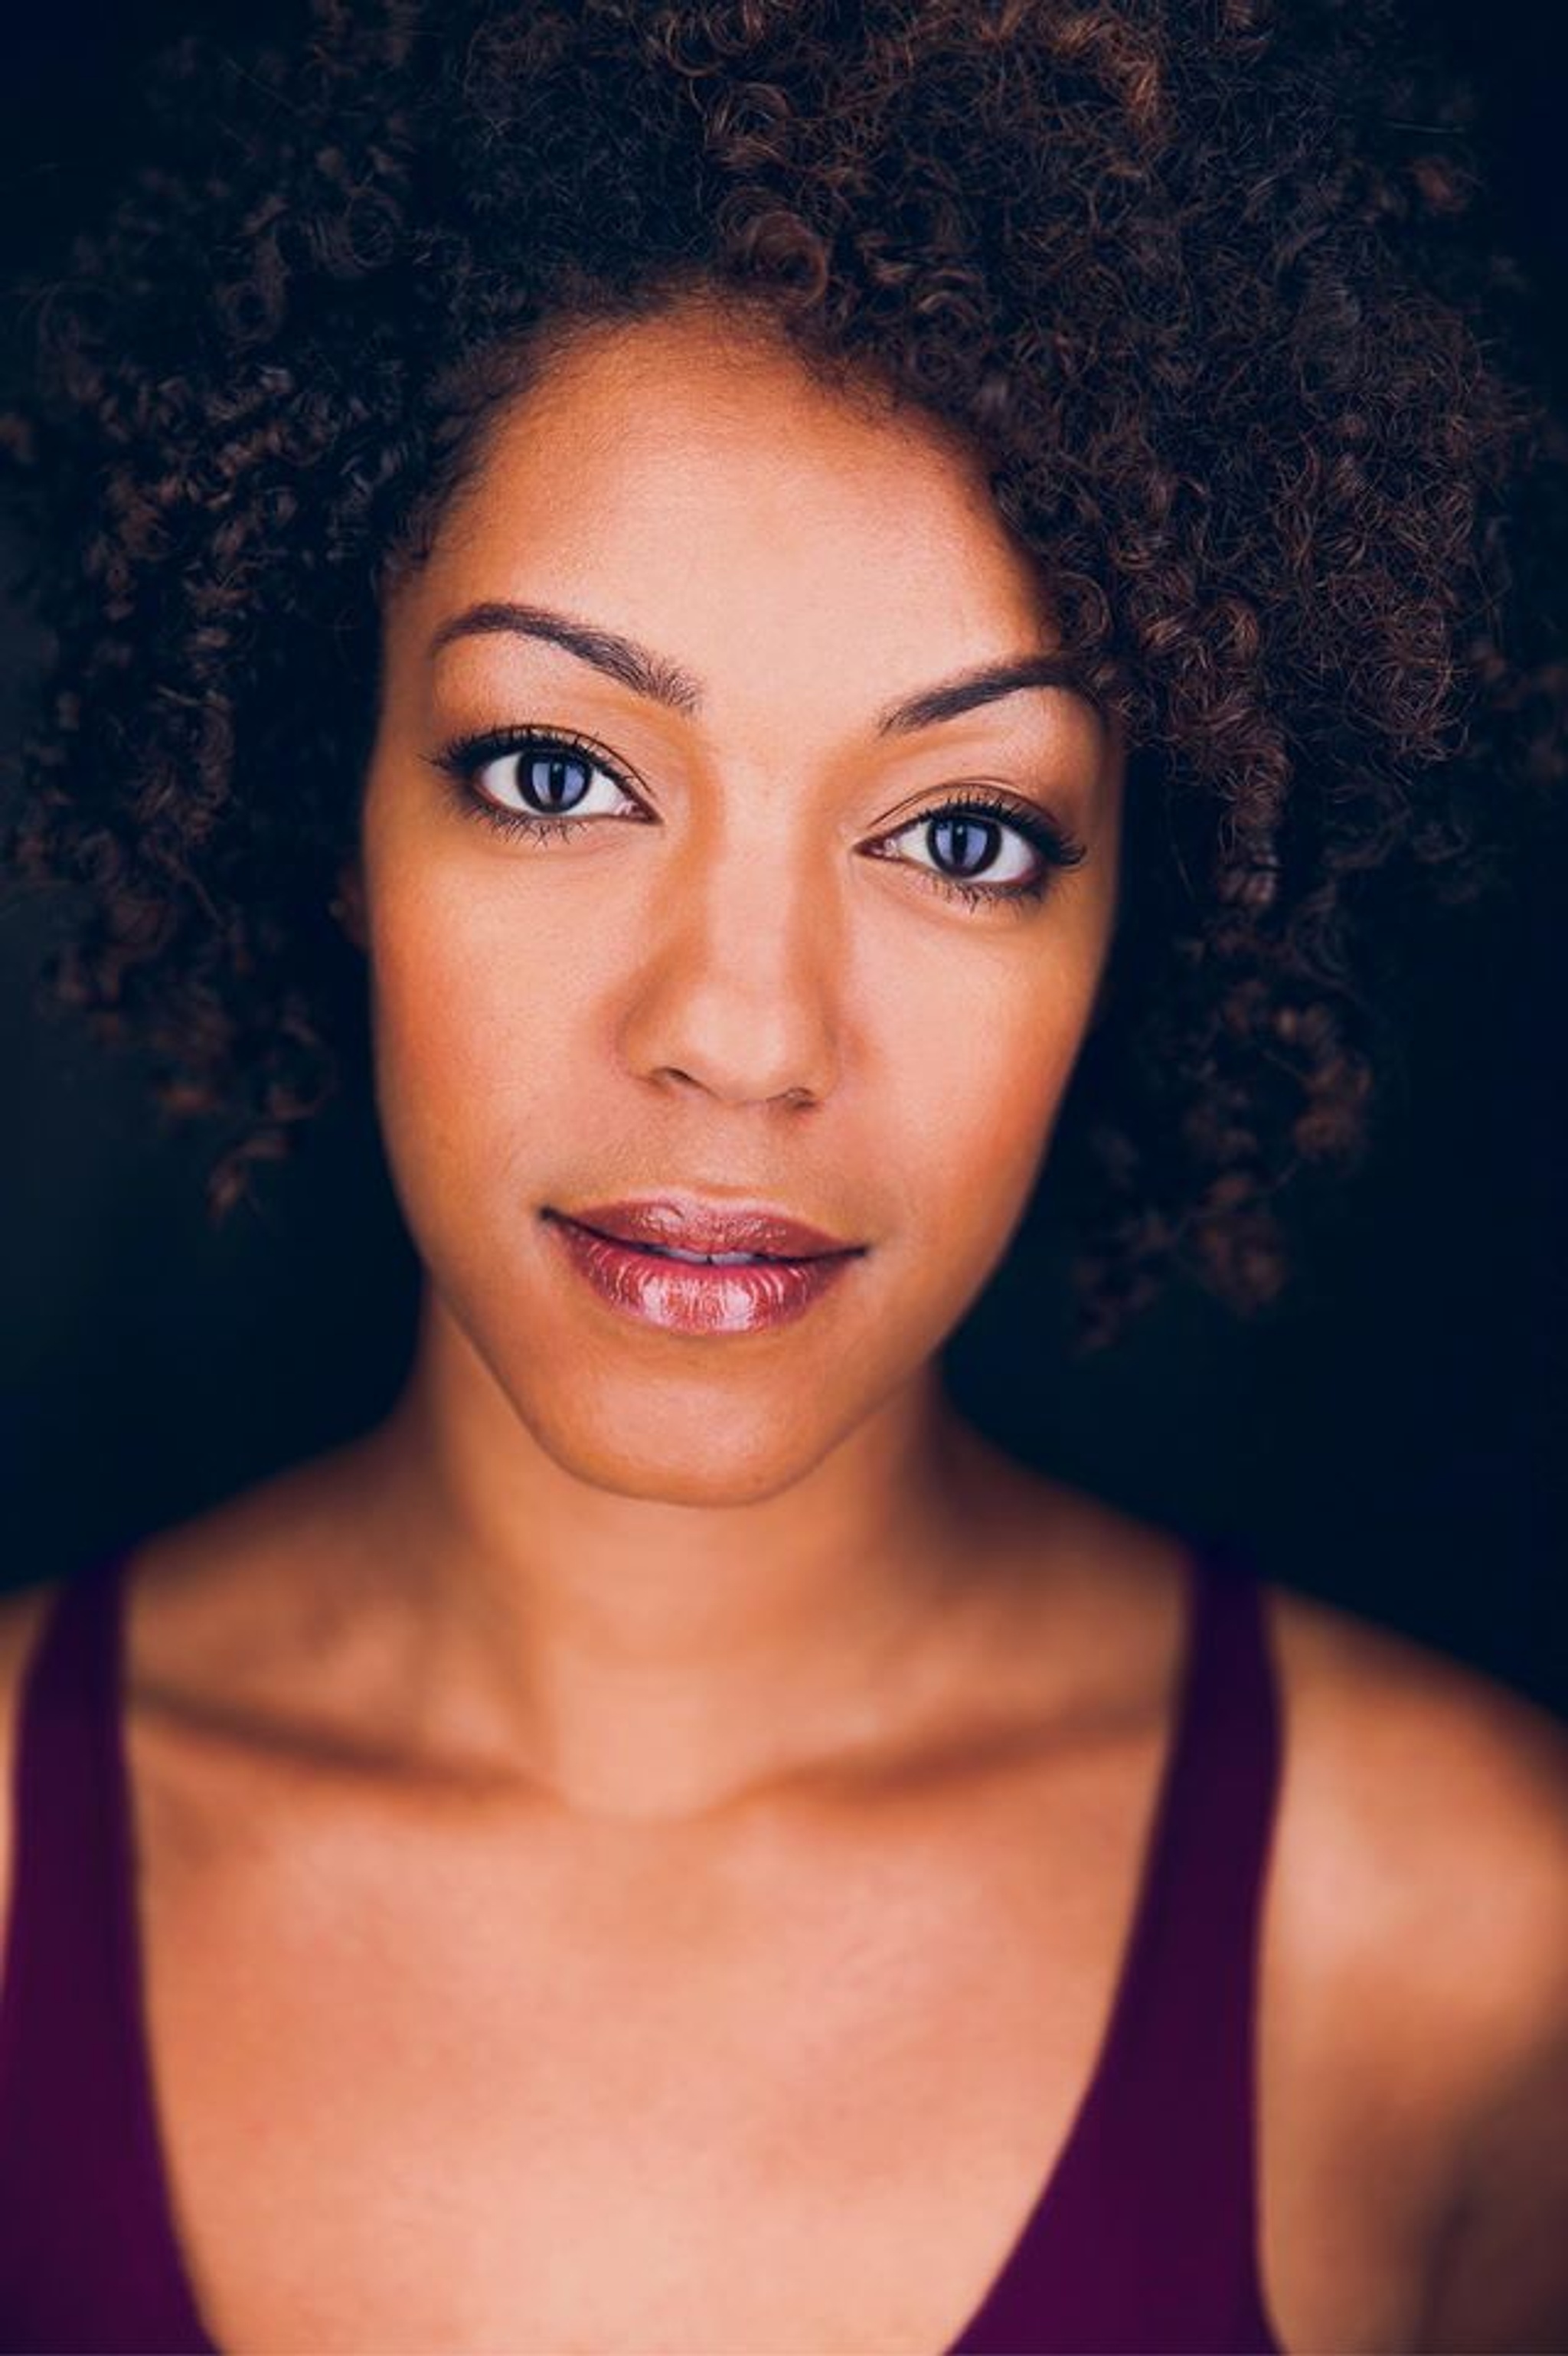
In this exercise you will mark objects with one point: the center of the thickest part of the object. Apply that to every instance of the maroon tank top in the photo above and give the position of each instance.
(1143, 2237)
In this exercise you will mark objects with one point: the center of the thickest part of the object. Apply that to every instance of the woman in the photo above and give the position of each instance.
(746, 553)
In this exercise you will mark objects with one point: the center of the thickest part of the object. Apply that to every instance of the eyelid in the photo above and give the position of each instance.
(1055, 847)
(477, 746)
(481, 746)
(464, 756)
(1031, 818)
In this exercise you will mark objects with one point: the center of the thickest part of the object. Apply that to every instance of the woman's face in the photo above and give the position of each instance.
(740, 974)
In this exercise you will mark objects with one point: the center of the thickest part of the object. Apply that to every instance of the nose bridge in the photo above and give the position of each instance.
(737, 984)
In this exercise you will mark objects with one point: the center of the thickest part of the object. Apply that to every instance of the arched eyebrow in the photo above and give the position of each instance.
(986, 685)
(664, 681)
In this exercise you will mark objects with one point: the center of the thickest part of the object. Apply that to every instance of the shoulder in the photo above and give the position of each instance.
(208, 1592)
(1424, 1883)
(1443, 1791)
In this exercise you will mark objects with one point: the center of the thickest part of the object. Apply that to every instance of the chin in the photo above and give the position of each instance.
(705, 1451)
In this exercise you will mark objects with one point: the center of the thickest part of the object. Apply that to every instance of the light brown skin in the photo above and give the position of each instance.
(599, 1016)
(655, 1800)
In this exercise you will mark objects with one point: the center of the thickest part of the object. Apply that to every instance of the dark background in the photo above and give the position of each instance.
(1390, 1436)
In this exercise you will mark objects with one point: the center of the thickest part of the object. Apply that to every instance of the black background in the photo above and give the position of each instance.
(1390, 1436)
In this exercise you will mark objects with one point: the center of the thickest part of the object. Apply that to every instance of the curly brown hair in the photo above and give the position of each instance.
(1215, 288)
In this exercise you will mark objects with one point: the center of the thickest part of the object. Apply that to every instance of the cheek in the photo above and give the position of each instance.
(475, 1039)
(984, 1070)
(976, 1081)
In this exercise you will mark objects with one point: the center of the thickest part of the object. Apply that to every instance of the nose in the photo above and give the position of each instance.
(736, 990)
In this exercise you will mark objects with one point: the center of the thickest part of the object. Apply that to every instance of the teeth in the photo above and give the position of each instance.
(704, 1259)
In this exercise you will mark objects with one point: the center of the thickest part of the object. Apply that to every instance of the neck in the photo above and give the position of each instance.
(640, 1659)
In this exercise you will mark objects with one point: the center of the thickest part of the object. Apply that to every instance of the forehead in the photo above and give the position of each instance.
(680, 472)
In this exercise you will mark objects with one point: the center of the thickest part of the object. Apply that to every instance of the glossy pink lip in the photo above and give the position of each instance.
(687, 1223)
(698, 1297)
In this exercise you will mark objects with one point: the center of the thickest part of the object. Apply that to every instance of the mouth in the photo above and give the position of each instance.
(695, 1258)
(699, 1293)
(710, 1234)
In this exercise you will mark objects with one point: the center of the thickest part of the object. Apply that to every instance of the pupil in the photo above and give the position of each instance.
(549, 776)
(963, 835)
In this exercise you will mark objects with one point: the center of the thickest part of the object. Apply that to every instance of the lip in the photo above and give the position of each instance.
(687, 1223)
(696, 1296)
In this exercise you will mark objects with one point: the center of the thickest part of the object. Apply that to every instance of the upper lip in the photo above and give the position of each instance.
(691, 1225)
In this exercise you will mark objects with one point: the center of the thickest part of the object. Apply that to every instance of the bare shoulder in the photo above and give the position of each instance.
(1424, 1887)
(1414, 1973)
(205, 1587)
(1445, 1790)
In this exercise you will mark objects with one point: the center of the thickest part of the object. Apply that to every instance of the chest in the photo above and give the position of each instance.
(452, 2087)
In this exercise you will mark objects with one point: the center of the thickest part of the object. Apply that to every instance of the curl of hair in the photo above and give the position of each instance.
(1212, 288)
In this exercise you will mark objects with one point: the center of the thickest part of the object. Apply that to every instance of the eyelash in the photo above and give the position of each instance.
(461, 761)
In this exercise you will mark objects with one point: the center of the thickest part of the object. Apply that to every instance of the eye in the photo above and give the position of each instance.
(973, 857)
(559, 781)
(985, 848)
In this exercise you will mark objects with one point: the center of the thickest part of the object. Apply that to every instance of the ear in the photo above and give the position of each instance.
(347, 906)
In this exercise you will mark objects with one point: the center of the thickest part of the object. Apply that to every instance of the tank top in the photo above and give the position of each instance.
(1144, 2236)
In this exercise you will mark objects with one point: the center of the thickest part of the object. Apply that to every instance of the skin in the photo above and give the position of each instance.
(736, 998)
(700, 1783)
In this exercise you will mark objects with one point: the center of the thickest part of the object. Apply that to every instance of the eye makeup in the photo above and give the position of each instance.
(982, 815)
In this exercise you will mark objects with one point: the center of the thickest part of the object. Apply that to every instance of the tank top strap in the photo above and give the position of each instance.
(1192, 1965)
(1170, 2144)
(83, 2228)
(1146, 2235)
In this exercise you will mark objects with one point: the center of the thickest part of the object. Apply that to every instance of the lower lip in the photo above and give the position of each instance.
(686, 1297)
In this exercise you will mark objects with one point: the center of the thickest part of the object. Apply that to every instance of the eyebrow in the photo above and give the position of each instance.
(667, 682)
